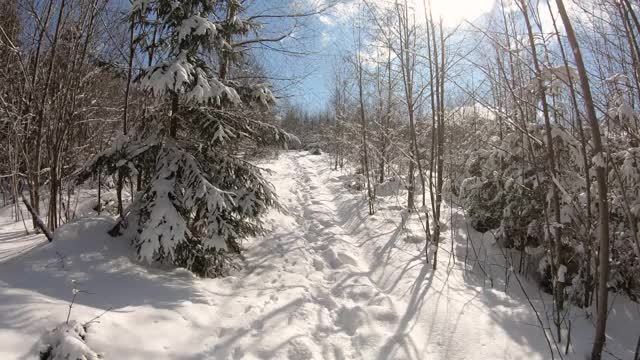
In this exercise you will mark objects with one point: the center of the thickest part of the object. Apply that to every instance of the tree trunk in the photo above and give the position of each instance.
(37, 220)
(555, 199)
(601, 179)
(370, 196)
(125, 113)
(411, 187)
(585, 164)
(34, 185)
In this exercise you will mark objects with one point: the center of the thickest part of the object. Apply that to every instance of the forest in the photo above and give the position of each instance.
(319, 179)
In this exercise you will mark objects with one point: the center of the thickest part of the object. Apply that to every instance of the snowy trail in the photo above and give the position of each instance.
(391, 305)
(360, 308)
(372, 296)
(327, 282)
(377, 298)
(340, 313)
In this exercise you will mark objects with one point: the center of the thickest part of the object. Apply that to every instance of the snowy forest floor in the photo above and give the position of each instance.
(328, 281)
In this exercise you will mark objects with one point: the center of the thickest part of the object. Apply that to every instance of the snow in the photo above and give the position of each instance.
(539, 250)
(618, 79)
(327, 282)
(262, 94)
(179, 74)
(198, 26)
(562, 271)
(66, 342)
(599, 160)
(390, 187)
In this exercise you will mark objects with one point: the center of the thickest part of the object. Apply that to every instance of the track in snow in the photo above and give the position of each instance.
(359, 308)
(367, 293)
(327, 307)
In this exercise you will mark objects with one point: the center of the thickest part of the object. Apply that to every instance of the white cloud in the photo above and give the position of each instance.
(456, 11)
(326, 20)
(342, 12)
(452, 12)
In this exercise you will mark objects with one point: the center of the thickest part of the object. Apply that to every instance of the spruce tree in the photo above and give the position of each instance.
(199, 197)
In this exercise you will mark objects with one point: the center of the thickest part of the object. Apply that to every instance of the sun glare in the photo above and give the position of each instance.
(453, 12)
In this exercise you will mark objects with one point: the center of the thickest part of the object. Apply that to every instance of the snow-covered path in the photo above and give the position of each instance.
(327, 307)
(387, 303)
(364, 292)
(327, 282)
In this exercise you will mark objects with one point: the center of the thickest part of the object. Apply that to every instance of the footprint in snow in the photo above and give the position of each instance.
(257, 325)
(351, 319)
(300, 349)
(318, 264)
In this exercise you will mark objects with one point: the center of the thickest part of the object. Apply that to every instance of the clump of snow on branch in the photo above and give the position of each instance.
(66, 342)
(180, 75)
(197, 25)
(263, 95)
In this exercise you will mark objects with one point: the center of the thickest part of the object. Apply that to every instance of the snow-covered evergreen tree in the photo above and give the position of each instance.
(199, 198)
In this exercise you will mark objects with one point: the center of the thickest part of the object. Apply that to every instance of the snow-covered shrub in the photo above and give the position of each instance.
(66, 342)
(483, 202)
(624, 171)
(391, 187)
(506, 187)
(500, 191)
(356, 182)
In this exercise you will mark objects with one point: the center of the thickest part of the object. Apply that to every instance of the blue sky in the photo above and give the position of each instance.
(327, 37)
(323, 39)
